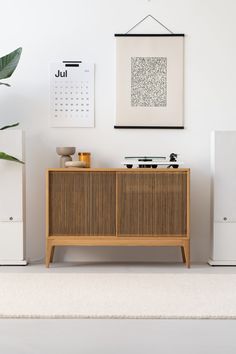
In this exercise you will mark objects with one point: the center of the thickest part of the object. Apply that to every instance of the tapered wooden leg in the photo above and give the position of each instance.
(186, 250)
(49, 253)
(52, 253)
(183, 254)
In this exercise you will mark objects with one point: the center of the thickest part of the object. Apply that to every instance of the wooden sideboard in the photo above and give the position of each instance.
(117, 207)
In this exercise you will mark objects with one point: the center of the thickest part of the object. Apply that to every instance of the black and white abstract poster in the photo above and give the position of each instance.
(149, 81)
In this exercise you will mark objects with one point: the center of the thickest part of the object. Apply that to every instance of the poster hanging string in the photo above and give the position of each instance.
(153, 19)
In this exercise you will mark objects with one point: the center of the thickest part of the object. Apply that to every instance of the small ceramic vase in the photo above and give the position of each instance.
(65, 153)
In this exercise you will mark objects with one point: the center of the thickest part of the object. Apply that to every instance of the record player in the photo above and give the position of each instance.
(152, 161)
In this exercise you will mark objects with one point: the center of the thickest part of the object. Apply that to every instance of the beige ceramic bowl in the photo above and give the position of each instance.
(75, 164)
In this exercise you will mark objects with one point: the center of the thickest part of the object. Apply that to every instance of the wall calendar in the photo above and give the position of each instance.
(72, 94)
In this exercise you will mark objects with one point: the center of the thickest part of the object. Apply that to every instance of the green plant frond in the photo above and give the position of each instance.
(9, 62)
(4, 156)
(9, 126)
(5, 84)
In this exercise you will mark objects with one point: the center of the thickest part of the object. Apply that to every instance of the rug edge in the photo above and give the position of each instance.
(117, 317)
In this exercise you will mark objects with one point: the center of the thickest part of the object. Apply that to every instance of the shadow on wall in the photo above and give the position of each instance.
(200, 214)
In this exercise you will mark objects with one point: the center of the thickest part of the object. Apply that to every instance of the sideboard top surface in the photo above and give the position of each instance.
(129, 170)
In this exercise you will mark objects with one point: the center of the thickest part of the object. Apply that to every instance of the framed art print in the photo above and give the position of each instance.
(149, 80)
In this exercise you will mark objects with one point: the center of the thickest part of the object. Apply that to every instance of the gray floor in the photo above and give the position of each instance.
(118, 336)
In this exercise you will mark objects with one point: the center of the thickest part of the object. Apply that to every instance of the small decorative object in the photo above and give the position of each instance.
(72, 94)
(86, 157)
(72, 164)
(65, 153)
(149, 80)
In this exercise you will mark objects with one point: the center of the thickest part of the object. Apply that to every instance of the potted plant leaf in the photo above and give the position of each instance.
(8, 64)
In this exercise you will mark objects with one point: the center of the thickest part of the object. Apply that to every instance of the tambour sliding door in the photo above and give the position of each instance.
(152, 203)
(82, 203)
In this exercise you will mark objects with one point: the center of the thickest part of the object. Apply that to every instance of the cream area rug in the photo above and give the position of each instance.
(157, 296)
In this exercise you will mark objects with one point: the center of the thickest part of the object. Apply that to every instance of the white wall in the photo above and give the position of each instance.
(83, 29)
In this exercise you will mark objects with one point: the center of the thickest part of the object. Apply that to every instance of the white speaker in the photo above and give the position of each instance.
(12, 236)
(223, 198)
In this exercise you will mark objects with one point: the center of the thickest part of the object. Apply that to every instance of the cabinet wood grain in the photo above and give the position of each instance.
(152, 204)
(82, 203)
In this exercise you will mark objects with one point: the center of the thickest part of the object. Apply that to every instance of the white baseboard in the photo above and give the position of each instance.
(221, 263)
(13, 262)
